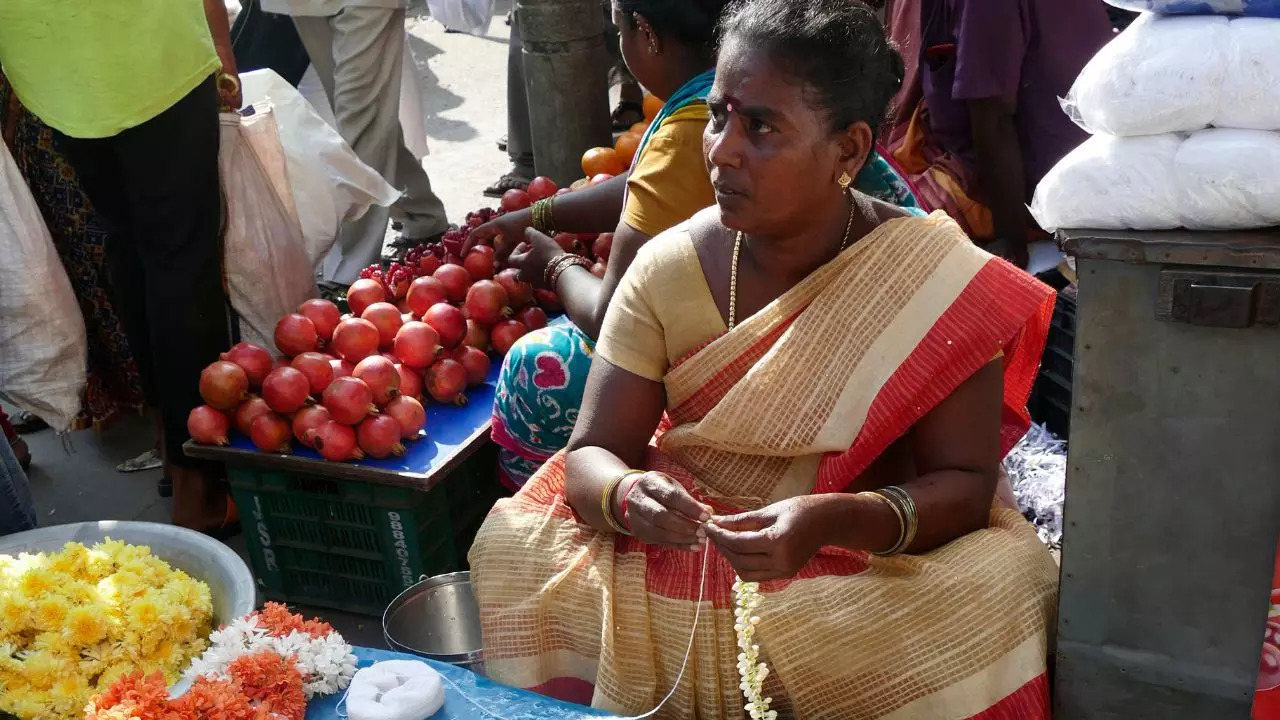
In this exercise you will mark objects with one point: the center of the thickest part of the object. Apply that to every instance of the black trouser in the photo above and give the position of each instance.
(264, 40)
(156, 187)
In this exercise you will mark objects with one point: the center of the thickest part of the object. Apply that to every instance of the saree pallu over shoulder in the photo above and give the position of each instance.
(796, 399)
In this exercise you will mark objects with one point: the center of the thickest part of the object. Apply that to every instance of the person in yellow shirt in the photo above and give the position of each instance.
(132, 89)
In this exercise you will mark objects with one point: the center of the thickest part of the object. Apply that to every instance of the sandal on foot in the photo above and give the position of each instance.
(627, 109)
(502, 143)
(511, 181)
(164, 487)
(24, 422)
(149, 460)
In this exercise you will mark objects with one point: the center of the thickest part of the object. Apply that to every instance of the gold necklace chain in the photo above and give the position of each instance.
(737, 248)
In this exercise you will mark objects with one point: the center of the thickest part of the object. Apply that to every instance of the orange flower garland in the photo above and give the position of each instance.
(263, 686)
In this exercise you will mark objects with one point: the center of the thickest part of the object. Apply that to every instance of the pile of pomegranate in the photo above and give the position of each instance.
(353, 386)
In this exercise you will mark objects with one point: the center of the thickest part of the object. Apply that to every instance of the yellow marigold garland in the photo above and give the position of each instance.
(74, 622)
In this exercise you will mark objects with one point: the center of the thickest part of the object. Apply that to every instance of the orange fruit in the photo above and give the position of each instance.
(602, 160)
(640, 127)
(626, 146)
(651, 107)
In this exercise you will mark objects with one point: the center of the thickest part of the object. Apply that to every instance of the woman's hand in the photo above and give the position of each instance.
(771, 543)
(505, 233)
(533, 255)
(660, 511)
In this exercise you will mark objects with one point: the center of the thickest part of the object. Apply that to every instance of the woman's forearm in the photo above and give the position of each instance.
(586, 297)
(594, 209)
(949, 504)
(215, 14)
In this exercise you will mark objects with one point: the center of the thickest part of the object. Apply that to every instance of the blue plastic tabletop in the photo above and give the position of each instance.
(499, 701)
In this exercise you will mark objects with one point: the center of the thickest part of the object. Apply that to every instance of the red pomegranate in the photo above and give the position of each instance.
(417, 344)
(279, 362)
(446, 380)
(309, 418)
(598, 270)
(519, 293)
(286, 390)
(295, 334)
(409, 413)
(335, 442)
(410, 382)
(349, 400)
(249, 411)
(317, 368)
(476, 363)
(602, 246)
(381, 376)
(506, 333)
(477, 336)
(208, 426)
(541, 188)
(449, 322)
(425, 292)
(271, 433)
(379, 437)
(600, 178)
(569, 242)
(323, 314)
(385, 317)
(255, 360)
(487, 302)
(355, 339)
(363, 293)
(515, 199)
(223, 385)
(548, 300)
(428, 264)
(532, 317)
(455, 279)
(341, 368)
(480, 262)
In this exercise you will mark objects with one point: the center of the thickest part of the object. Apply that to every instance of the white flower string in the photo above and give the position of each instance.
(693, 633)
(326, 663)
(750, 669)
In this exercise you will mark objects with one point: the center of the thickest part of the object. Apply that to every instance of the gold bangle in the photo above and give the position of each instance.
(606, 502)
(902, 524)
(909, 512)
(544, 216)
(574, 260)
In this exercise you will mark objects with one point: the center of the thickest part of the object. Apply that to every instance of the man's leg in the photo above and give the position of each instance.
(519, 131)
(169, 172)
(17, 510)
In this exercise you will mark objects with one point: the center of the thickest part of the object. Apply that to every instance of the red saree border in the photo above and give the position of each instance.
(1029, 702)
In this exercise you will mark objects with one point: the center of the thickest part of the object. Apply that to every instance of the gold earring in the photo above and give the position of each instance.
(844, 181)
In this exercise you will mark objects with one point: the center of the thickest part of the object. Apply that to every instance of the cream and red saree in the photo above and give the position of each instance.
(799, 398)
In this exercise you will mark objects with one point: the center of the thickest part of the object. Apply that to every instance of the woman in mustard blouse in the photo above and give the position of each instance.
(670, 48)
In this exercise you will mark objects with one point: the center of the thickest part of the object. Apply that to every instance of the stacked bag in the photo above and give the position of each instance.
(1184, 112)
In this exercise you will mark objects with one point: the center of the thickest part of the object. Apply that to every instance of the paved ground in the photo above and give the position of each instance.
(464, 96)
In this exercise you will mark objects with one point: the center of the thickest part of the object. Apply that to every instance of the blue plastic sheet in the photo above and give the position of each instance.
(1245, 8)
(500, 701)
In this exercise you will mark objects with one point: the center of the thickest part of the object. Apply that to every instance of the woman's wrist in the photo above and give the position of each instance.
(855, 521)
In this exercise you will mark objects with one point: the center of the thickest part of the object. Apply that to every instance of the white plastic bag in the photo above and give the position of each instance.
(269, 273)
(329, 184)
(468, 16)
(1248, 8)
(1215, 179)
(43, 348)
(1162, 74)
(1181, 74)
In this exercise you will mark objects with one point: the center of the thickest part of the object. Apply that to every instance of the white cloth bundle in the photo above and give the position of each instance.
(1215, 179)
(1181, 74)
(1248, 8)
(395, 690)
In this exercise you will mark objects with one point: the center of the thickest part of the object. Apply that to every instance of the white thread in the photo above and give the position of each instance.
(693, 633)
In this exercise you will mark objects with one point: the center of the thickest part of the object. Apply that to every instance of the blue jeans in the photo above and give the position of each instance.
(17, 510)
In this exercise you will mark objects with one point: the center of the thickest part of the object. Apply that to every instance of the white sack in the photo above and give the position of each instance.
(1215, 179)
(329, 184)
(43, 348)
(468, 16)
(1181, 74)
(267, 268)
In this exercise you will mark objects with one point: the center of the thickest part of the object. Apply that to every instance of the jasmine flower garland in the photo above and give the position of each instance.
(750, 669)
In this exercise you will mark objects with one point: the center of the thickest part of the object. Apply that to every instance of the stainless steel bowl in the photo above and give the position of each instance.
(439, 619)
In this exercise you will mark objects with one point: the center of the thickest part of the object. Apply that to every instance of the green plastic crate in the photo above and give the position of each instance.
(354, 546)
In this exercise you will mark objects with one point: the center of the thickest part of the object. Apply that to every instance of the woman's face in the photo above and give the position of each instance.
(634, 43)
(773, 157)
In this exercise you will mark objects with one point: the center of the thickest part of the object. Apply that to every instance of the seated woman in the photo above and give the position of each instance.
(815, 389)
(669, 47)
